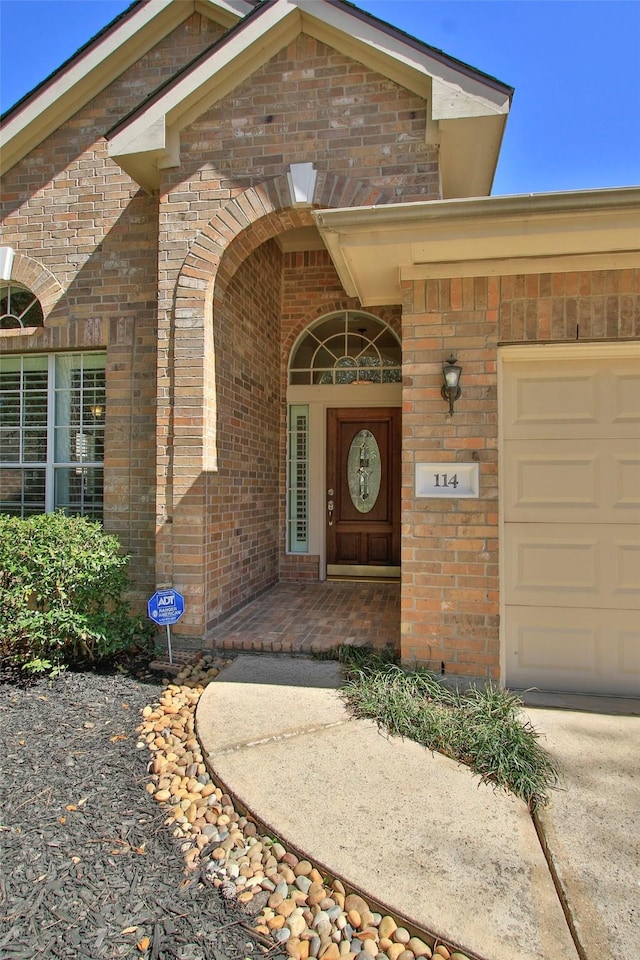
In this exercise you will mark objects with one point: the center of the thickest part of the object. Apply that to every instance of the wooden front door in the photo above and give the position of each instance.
(363, 492)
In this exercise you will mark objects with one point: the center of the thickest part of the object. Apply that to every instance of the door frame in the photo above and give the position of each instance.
(319, 398)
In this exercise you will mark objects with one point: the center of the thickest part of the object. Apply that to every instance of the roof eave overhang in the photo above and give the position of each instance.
(374, 249)
(463, 106)
(101, 62)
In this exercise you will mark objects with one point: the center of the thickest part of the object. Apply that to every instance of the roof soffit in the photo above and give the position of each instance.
(453, 93)
(97, 64)
(375, 248)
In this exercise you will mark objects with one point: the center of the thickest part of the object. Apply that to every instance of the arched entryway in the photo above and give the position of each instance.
(256, 278)
(344, 445)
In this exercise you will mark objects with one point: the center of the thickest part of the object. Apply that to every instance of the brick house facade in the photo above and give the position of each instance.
(229, 176)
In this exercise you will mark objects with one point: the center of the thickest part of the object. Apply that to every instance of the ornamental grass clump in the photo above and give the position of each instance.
(63, 585)
(482, 727)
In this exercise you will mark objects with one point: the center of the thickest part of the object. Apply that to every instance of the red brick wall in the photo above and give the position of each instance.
(308, 103)
(596, 305)
(366, 137)
(243, 521)
(450, 580)
(450, 547)
(117, 255)
(72, 210)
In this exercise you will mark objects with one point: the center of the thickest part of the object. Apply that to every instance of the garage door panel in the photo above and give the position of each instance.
(627, 570)
(586, 651)
(627, 474)
(582, 398)
(629, 654)
(626, 398)
(588, 565)
(570, 492)
(574, 480)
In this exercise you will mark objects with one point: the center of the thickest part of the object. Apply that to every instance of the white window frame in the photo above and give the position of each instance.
(50, 466)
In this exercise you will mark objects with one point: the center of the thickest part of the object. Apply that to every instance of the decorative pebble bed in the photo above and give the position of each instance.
(293, 905)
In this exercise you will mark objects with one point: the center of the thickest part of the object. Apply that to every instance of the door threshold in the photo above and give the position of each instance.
(357, 571)
(336, 579)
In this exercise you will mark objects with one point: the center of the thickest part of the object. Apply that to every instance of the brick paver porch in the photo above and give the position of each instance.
(314, 617)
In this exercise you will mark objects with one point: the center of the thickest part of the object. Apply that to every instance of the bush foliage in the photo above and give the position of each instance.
(63, 582)
(483, 728)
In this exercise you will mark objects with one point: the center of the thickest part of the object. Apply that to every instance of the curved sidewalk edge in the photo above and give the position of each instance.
(413, 832)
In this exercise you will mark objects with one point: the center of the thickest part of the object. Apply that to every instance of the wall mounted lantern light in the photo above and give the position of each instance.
(450, 389)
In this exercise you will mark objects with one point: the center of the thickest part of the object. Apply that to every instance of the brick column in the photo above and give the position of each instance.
(450, 547)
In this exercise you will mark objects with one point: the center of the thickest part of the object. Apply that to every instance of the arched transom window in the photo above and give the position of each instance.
(19, 308)
(346, 347)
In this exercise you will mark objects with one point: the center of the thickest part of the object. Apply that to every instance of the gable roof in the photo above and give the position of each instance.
(466, 109)
(97, 63)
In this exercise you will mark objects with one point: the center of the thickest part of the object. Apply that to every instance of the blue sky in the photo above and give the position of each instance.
(575, 64)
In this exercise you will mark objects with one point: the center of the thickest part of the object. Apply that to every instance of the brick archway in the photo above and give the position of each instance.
(186, 374)
(248, 220)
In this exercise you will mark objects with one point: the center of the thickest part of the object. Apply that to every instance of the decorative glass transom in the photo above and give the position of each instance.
(364, 471)
(347, 347)
(19, 308)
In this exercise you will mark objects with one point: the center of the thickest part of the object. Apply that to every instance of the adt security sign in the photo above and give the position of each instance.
(165, 607)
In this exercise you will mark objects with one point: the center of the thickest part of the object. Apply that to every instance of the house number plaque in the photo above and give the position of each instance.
(451, 480)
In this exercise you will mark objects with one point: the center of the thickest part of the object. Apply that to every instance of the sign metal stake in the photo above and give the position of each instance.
(164, 608)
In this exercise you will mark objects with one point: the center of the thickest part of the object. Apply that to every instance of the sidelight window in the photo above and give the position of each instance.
(298, 480)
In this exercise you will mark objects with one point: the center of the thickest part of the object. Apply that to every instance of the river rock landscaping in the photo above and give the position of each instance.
(308, 915)
(109, 852)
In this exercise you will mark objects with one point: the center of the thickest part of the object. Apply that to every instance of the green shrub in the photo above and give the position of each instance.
(481, 727)
(63, 582)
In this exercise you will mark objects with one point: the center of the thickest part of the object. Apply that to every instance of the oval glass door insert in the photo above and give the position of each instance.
(364, 471)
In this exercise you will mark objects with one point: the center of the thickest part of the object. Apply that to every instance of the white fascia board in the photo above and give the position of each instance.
(376, 247)
(550, 235)
(455, 87)
(225, 12)
(332, 242)
(87, 76)
(393, 216)
(212, 79)
(452, 102)
(579, 232)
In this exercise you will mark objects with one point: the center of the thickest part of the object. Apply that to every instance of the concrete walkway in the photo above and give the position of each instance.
(422, 837)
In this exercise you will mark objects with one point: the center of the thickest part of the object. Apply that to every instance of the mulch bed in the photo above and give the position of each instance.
(89, 870)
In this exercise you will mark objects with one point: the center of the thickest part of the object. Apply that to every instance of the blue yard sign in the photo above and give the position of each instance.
(165, 607)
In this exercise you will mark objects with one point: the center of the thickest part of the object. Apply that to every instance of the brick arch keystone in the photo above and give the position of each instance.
(251, 218)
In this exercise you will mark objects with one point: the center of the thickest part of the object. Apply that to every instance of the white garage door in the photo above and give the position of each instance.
(570, 430)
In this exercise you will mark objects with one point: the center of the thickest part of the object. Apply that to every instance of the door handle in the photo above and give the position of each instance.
(330, 512)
